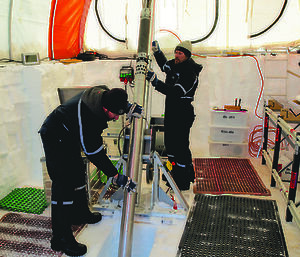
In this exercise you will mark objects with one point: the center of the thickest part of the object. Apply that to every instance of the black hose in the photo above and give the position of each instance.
(273, 23)
(119, 138)
(214, 25)
(102, 26)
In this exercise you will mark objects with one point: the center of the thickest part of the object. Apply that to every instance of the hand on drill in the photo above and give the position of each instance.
(124, 182)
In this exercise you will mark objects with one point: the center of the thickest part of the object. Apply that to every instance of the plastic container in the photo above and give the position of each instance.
(229, 134)
(111, 146)
(227, 149)
(229, 118)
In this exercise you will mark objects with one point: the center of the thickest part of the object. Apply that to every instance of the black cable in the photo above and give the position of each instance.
(148, 4)
(119, 138)
(214, 25)
(121, 58)
(293, 112)
(8, 60)
(102, 26)
(273, 23)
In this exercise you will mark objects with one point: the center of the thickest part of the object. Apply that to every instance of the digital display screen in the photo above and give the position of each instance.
(126, 74)
(30, 58)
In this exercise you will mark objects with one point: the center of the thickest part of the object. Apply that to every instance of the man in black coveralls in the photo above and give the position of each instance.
(72, 127)
(179, 88)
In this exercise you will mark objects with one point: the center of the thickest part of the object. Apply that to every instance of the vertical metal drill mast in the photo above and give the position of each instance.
(134, 163)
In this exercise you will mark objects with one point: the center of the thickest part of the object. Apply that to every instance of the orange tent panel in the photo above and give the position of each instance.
(66, 27)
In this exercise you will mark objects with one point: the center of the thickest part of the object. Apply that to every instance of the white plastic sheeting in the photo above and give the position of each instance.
(193, 19)
(16, 151)
(24, 25)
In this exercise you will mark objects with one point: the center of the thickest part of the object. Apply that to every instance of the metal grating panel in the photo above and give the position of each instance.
(27, 235)
(232, 226)
(227, 176)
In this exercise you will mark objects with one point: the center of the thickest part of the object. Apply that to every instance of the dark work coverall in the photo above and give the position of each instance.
(72, 126)
(179, 87)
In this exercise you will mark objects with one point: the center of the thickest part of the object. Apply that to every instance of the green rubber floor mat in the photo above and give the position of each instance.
(26, 199)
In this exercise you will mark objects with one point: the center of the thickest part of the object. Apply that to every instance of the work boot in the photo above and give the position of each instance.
(87, 218)
(82, 213)
(181, 178)
(191, 172)
(68, 245)
(62, 236)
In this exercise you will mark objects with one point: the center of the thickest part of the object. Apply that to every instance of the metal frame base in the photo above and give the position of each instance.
(158, 195)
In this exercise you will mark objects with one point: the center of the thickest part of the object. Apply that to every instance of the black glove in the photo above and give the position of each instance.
(155, 46)
(151, 76)
(125, 182)
(135, 108)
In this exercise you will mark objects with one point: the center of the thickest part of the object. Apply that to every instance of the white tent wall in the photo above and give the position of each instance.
(263, 13)
(293, 78)
(30, 27)
(16, 126)
(121, 22)
(28, 94)
(24, 27)
(4, 28)
(222, 80)
(193, 19)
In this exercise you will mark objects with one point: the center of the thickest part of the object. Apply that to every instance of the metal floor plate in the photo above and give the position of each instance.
(227, 176)
(232, 226)
(27, 235)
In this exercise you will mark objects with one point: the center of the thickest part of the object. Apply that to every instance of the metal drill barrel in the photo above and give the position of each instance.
(134, 163)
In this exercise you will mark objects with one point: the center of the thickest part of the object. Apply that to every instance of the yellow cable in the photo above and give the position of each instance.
(295, 74)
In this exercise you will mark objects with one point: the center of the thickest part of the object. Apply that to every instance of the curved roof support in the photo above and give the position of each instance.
(102, 26)
(273, 23)
(213, 27)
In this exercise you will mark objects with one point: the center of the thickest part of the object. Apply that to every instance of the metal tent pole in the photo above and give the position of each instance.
(135, 153)
(10, 17)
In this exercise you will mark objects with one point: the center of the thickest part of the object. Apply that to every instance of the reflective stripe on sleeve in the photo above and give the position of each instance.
(184, 92)
(166, 66)
(180, 165)
(79, 188)
(81, 132)
(63, 203)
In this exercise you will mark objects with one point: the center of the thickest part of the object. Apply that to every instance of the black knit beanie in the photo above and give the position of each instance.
(185, 47)
(115, 100)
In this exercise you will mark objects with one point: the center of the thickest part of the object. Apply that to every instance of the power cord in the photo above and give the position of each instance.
(9, 60)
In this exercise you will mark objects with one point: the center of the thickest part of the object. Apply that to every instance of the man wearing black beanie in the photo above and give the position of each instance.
(179, 88)
(74, 126)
